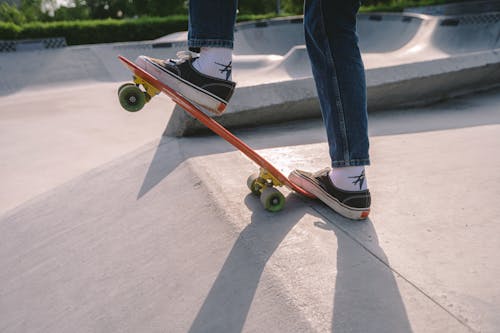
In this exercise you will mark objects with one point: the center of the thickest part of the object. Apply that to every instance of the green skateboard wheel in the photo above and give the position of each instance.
(131, 97)
(272, 199)
(128, 84)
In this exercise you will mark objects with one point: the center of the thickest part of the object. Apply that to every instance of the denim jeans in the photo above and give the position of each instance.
(332, 45)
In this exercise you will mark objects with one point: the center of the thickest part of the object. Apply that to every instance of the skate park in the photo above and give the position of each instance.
(112, 221)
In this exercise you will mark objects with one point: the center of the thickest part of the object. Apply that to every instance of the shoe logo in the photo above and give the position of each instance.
(226, 69)
(359, 179)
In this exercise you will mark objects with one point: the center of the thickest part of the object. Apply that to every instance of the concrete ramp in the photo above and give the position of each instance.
(468, 33)
(167, 238)
(50, 68)
(383, 33)
(269, 37)
(411, 59)
(70, 65)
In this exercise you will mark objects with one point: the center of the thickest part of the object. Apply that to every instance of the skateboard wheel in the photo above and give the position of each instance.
(253, 184)
(131, 98)
(272, 199)
(128, 84)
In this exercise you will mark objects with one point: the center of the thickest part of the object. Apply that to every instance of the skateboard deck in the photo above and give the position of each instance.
(132, 98)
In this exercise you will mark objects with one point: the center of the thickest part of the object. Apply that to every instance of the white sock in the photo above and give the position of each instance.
(215, 61)
(349, 178)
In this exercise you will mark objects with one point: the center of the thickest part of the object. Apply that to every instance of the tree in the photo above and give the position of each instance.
(10, 14)
(293, 6)
(31, 9)
(75, 12)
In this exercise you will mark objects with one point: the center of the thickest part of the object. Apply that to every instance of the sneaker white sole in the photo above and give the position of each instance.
(185, 88)
(329, 200)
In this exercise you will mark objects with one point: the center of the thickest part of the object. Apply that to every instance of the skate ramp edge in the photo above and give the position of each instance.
(406, 85)
(411, 59)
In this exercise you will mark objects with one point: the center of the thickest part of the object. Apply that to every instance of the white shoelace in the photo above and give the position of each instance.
(182, 56)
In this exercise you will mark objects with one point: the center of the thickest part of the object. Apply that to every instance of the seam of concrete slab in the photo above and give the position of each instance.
(402, 276)
(321, 210)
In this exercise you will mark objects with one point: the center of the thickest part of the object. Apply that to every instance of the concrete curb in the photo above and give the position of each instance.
(389, 87)
(431, 81)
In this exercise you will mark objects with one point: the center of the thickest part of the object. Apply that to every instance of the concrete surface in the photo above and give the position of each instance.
(458, 8)
(405, 85)
(53, 135)
(106, 226)
(411, 59)
(166, 237)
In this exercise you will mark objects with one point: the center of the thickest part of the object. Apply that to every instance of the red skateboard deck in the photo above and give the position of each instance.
(153, 86)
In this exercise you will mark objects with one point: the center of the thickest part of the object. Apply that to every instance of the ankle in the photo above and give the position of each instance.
(215, 62)
(349, 178)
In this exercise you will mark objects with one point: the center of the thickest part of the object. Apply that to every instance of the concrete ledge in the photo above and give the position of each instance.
(431, 81)
(32, 44)
(256, 105)
(389, 87)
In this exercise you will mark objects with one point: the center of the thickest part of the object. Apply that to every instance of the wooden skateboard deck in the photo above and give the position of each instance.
(268, 177)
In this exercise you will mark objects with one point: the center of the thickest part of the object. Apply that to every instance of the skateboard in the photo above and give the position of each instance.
(133, 97)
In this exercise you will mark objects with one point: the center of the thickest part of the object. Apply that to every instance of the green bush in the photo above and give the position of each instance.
(104, 31)
(96, 31)
(9, 30)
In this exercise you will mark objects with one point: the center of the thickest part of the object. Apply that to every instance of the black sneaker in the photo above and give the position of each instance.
(354, 205)
(181, 76)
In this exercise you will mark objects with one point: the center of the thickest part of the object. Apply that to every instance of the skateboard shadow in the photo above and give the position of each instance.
(367, 298)
(172, 151)
(167, 158)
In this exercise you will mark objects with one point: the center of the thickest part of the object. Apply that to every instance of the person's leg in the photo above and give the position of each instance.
(332, 44)
(205, 78)
(211, 23)
(211, 34)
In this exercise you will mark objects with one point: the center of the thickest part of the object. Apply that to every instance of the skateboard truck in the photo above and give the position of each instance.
(151, 91)
(263, 184)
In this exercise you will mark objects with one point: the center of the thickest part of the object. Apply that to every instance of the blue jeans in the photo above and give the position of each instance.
(332, 45)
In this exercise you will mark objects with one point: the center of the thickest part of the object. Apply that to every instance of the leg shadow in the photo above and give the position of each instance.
(367, 297)
(226, 307)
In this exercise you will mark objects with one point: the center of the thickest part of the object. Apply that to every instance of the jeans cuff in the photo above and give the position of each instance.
(340, 164)
(197, 43)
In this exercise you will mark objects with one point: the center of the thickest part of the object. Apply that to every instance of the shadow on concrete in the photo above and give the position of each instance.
(462, 112)
(167, 157)
(171, 152)
(367, 297)
(228, 302)
(468, 111)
